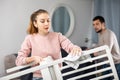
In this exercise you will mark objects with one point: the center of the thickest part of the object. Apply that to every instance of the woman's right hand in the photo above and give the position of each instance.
(35, 59)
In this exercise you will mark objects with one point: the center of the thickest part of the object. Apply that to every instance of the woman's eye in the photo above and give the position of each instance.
(42, 21)
(48, 20)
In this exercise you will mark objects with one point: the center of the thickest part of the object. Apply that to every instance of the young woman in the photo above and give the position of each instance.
(40, 42)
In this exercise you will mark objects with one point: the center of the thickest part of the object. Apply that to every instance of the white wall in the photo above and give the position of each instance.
(14, 19)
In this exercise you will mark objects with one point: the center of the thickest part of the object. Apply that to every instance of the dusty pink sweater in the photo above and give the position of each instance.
(43, 46)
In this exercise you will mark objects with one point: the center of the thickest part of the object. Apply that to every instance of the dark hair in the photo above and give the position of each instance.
(102, 20)
(31, 28)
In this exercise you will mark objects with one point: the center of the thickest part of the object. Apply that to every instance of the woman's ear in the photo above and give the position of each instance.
(35, 24)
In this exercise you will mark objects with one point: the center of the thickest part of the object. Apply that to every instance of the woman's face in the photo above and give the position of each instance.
(42, 23)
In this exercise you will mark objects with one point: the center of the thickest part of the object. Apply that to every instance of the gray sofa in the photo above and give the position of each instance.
(9, 62)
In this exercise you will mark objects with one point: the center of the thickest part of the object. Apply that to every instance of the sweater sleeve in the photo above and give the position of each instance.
(65, 43)
(109, 40)
(24, 52)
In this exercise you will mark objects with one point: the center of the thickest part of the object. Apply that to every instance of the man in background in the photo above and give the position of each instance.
(107, 37)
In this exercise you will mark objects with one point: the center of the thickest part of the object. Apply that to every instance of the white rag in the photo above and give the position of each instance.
(73, 61)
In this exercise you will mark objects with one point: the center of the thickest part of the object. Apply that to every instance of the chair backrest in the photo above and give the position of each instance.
(104, 59)
(51, 68)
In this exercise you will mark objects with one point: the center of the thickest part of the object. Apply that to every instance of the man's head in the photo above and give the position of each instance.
(98, 24)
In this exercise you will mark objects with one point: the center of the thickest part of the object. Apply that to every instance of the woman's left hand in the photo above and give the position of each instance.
(76, 51)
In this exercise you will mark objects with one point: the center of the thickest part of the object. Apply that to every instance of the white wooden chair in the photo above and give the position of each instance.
(51, 71)
(108, 61)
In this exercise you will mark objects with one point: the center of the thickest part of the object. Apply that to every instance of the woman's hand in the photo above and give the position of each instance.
(35, 59)
(76, 51)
